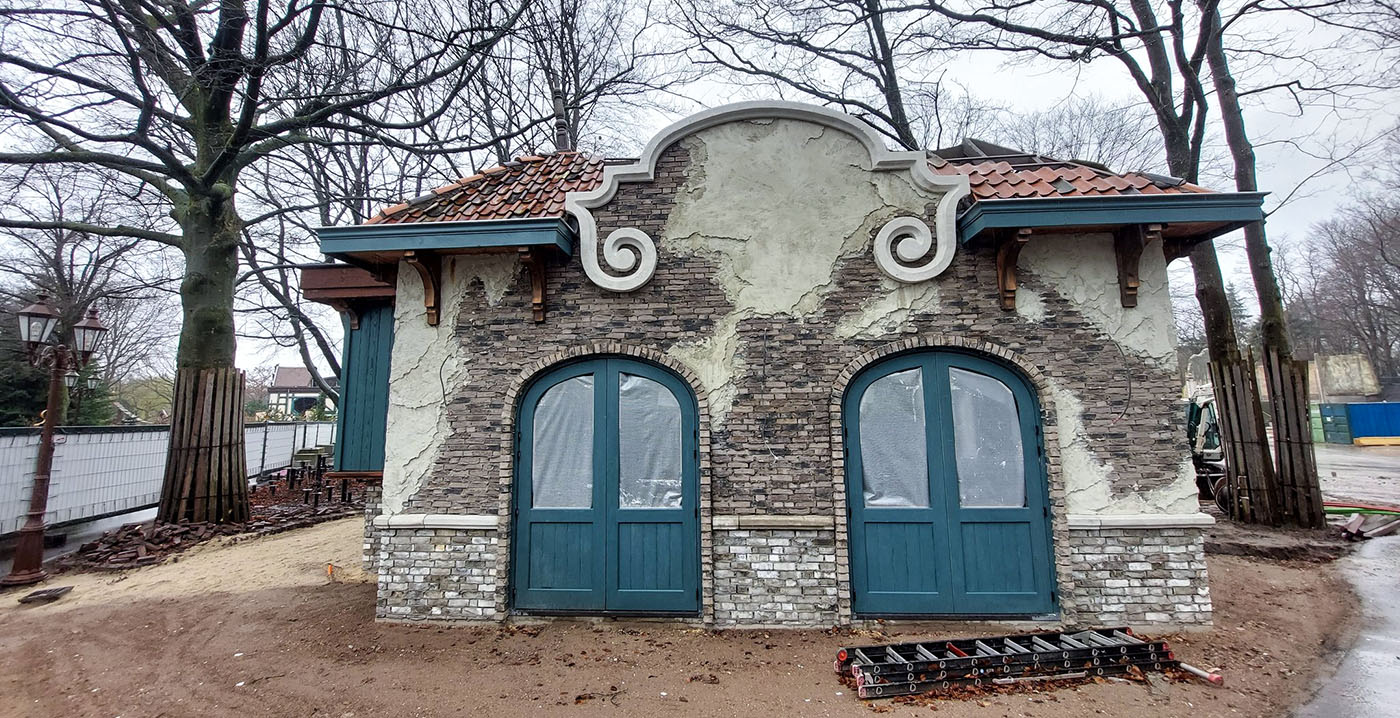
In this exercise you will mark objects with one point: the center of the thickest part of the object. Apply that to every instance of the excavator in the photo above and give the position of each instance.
(1203, 436)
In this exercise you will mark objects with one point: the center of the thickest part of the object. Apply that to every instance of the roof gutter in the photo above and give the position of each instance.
(486, 234)
(1228, 211)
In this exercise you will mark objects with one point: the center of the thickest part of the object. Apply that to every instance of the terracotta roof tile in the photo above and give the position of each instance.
(535, 186)
(528, 187)
(1028, 175)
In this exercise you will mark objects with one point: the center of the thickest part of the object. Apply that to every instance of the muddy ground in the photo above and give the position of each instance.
(257, 629)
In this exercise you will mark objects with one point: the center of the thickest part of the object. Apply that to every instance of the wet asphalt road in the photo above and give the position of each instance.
(1367, 682)
(1369, 474)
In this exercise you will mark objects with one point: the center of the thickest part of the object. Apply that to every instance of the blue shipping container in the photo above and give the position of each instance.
(1376, 419)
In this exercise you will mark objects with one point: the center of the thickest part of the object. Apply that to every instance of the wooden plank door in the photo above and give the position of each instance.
(996, 493)
(947, 490)
(560, 532)
(607, 492)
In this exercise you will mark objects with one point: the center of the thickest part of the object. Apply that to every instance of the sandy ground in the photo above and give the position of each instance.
(257, 629)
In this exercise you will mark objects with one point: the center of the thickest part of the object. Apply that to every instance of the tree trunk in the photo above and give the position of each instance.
(205, 473)
(1249, 469)
(1300, 497)
(1222, 344)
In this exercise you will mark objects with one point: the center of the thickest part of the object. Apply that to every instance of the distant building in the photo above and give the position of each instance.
(294, 393)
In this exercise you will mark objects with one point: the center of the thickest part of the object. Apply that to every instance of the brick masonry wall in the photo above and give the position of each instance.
(437, 574)
(772, 452)
(1139, 576)
(369, 555)
(775, 577)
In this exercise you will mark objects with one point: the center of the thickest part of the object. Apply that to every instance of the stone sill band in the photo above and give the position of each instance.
(492, 522)
(489, 522)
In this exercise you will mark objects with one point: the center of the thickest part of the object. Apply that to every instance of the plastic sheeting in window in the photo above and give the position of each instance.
(561, 468)
(649, 439)
(987, 440)
(893, 443)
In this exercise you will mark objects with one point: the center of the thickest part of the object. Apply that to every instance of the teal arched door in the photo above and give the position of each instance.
(607, 492)
(947, 490)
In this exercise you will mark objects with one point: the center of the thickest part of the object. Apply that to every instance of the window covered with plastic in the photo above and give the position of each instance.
(649, 442)
(893, 443)
(561, 472)
(987, 441)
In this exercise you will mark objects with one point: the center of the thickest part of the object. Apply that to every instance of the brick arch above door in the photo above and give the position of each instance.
(1049, 423)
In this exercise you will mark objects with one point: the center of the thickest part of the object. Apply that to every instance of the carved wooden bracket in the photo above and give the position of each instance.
(534, 260)
(344, 308)
(429, 268)
(1175, 249)
(1128, 243)
(1007, 253)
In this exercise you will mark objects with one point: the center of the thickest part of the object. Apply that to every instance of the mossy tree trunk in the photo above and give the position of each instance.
(205, 473)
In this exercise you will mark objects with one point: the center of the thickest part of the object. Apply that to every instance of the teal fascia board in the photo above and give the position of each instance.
(422, 236)
(1232, 210)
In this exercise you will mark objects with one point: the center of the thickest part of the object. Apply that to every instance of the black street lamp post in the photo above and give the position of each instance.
(37, 323)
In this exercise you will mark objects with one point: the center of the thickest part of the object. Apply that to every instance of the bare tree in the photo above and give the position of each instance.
(1160, 44)
(1122, 137)
(183, 97)
(1344, 284)
(602, 57)
(856, 55)
(129, 281)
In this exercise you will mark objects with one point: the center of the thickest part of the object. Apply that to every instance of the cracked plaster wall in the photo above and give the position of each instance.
(426, 364)
(765, 290)
(1088, 478)
(778, 206)
(1083, 269)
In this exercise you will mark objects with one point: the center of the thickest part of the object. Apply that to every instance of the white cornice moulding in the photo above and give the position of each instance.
(1139, 521)
(737, 523)
(632, 253)
(438, 521)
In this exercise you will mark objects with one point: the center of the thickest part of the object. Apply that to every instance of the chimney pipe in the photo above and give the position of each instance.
(561, 125)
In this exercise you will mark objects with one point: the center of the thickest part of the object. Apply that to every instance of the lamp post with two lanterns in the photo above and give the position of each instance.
(37, 325)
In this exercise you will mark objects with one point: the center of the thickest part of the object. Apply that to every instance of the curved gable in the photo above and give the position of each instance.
(628, 256)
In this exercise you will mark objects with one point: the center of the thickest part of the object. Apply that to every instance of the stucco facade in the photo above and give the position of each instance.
(765, 296)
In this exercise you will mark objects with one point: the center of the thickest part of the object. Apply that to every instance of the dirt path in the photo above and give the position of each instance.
(255, 629)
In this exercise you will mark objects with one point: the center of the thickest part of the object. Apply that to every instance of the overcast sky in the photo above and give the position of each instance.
(1282, 166)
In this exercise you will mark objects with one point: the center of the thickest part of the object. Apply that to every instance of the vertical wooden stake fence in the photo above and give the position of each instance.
(1296, 470)
(1248, 467)
(206, 477)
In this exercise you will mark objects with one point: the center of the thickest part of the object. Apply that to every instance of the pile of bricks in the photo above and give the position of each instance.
(144, 544)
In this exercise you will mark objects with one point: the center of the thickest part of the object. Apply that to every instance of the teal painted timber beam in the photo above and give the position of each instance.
(422, 236)
(1231, 210)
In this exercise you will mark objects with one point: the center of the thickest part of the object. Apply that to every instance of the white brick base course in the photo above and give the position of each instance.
(1139, 577)
(437, 574)
(788, 577)
(369, 552)
(775, 577)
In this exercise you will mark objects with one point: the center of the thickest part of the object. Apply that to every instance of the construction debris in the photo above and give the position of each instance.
(145, 544)
(46, 595)
(300, 495)
(955, 667)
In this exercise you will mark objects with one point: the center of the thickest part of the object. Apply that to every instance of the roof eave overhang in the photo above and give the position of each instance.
(1223, 212)
(378, 240)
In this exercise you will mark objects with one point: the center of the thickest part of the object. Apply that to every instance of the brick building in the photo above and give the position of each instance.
(773, 373)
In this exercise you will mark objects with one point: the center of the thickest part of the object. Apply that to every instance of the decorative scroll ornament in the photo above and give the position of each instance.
(627, 251)
(914, 241)
(632, 254)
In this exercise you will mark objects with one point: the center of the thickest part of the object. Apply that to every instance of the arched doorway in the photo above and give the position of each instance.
(606, 491)
(947, 489)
